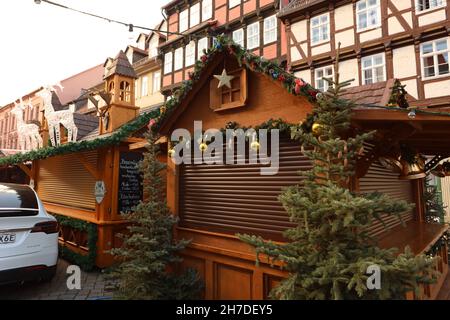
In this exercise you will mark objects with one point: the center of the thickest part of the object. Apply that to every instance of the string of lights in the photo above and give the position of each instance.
(130, 26)
(412, 111)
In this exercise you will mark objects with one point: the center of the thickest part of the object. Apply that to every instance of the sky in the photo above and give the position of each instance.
(42, 44)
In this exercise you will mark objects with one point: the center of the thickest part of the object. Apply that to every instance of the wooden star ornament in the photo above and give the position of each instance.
(224, 79)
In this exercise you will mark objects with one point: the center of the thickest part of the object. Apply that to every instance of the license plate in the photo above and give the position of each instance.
(7, 238)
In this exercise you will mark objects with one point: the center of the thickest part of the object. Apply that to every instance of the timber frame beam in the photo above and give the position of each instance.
(386, 142)
(25, 169)
(92, 170)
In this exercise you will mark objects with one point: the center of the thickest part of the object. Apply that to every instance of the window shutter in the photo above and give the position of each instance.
(236, 198)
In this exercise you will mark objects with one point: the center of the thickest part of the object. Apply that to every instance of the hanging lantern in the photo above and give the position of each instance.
(413, 171)
(392, 163)
(439, 171)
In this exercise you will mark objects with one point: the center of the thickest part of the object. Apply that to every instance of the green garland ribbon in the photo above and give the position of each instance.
(85, 262)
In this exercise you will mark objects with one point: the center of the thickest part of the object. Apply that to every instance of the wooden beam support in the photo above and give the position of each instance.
(138, 145)
(134, 140)
(92, 170)
(25, 169)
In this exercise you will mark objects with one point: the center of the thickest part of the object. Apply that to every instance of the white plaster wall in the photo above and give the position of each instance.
(411, 87)
(346, 38)
(321, 49)
(394, 26)
(432, 17)
(402, 4)
(404, 62)
(304, 74)
(437, 89)
(370, 35)
(295, 54)
(349, 70)
(299, 29)
(343, 17)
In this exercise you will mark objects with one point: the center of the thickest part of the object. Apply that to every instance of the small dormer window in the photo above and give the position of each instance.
(125, 91)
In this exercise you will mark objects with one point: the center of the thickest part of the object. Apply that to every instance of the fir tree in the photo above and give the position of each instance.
(328, 253)
(435, 209)
(149, 250)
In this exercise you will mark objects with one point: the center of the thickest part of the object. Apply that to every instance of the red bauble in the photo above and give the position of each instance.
(281, 78)
(204, 58)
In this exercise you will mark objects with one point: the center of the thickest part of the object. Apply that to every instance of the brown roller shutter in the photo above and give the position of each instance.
(65, 181)
(380, 179)
(236, 198)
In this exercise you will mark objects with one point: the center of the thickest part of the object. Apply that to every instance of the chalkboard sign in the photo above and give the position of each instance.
(130, 181)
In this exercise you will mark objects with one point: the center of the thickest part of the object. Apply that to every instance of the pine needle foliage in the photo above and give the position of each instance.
(149, 252)
(329, 251)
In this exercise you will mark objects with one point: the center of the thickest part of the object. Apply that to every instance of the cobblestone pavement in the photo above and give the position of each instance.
(93, 287)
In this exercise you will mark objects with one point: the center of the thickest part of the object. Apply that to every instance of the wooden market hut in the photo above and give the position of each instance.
(88, 184)
(215, 202)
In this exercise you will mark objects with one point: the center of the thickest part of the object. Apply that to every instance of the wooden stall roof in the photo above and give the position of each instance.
(427, 133)
(226, 49)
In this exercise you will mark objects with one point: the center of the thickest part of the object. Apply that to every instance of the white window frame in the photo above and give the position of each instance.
(318, 78)
(239, 34)
(202, 44)
(319, 27)
(435, 55)
(168, 62)
(253, 33)
(189, 56)
(269, 29)
(178, 59)
(206, 10)
(144, 86)
(194, 15)
(366, 11)
(436, 4)
(156, 82)
(233, 3)
(184, 20)
(373, 67)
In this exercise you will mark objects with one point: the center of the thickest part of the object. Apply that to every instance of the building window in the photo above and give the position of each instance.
(270, 29)
(168, 59)
(195, 15)
(190, 54)
(125, 91)
(322, 73)
(320, 28)
(423, 5)
(156, 82)
(206, 10)
(144, 87)
(238, 37)
(202, 45)
(435, 58)
(233, 3)
(184, 20)
(178, 59)
(253, 36)
(368, 14)
(373, 69)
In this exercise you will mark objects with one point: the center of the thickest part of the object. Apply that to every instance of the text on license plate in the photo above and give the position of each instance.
(7, 238)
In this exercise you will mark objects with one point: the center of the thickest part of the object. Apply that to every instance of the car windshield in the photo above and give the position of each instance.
(17, 200)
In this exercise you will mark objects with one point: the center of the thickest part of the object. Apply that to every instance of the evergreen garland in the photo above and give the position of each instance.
(435, 209)
(85, 262)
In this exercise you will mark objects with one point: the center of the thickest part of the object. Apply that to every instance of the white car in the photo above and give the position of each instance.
(28, 236)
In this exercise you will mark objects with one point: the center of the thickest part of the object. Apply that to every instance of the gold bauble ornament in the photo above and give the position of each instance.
(162, 109)
(203, 147)
(255, 145)
(316, 128)
(171, 152)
